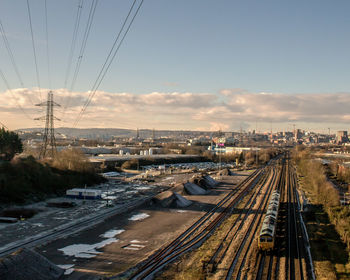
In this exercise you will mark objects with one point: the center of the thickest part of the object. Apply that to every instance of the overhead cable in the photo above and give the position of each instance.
(4, 126)
(74, 39)
(83, 45)
(12, 57)
(10, 53)
(47, 46)
(82, 51)
(13, 95)
(110, 57)
(34, 51)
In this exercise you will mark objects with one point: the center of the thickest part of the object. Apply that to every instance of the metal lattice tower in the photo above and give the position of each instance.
(49, 141)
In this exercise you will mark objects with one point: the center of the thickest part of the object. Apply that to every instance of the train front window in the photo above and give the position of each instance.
(269, 239)
(262, 239)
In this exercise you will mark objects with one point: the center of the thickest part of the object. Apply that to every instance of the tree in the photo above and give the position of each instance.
(10, 144)
(72, 159)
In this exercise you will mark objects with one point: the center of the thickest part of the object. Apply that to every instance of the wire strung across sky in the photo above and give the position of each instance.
(14, 64)
(81, 52)
(133, 11)
(83, 44)
(47, 46)
(34, 51)
(110, 57)
(74, 39)
(13, 95)
(10, 53)
(4, 126)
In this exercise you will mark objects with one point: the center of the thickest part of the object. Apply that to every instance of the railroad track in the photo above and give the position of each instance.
(287, 260)
(237, 265)
(237, 255)
(265, 267)
(237, 224)
(195, 235)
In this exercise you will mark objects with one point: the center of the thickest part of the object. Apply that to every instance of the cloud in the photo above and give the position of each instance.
(226, 110)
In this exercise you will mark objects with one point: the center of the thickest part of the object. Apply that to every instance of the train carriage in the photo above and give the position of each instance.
(266, 239)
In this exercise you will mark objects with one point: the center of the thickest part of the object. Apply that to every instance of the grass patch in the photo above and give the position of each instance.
(329, 253)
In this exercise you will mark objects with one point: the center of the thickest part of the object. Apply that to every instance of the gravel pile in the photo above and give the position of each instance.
(171, 199)
(26, 264)
(193, 189)
(225, 172)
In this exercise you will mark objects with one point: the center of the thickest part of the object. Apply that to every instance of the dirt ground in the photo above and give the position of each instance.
(139, 239)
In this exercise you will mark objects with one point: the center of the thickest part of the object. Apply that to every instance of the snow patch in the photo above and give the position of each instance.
(143, 188)
(139, 216)
(67, 267)
(86, 250)
(131, 248)
(111, 197)
(137, 245)
(111, 233)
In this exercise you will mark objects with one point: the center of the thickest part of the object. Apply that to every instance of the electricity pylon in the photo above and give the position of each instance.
(49, 141)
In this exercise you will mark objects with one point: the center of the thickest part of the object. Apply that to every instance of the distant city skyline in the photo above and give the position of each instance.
(194, 65)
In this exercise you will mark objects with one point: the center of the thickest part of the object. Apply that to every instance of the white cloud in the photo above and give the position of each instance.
(228, 109)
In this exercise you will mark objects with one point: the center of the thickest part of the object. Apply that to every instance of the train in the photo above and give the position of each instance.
(266, 240)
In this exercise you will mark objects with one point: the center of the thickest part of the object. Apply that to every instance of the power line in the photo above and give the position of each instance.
(115, 42)
(10, 53)
(71, 52)
(13, 95)
(47, 46)
(12, 57)
(74, 39)
(82, 51)
(33, 45)
(83, 45)
(4, 126)
(108, 61)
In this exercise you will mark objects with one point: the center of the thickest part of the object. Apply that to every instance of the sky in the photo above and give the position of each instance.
(196, 65)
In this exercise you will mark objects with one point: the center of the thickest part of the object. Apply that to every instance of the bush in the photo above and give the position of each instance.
(72, 159)
(131, 164)
(10, 144)
(26, 179)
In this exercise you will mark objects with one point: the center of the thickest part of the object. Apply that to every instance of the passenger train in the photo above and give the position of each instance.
(266, 239)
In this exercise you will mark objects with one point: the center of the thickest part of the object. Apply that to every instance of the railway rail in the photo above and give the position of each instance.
(237, 266)
(288, 259)
(237, 255)
(196, 234)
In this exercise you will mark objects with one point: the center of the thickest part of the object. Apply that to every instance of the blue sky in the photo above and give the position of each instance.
(289, 47)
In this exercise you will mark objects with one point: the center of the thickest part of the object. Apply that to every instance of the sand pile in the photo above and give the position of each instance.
(204, 181)
(171, 199)
(181, 201)
(27, 264)
(200, 181)
(225, 172)
(210, 181)
(194, 189)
